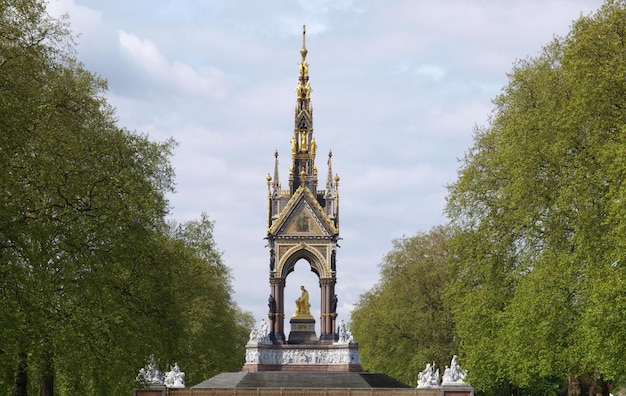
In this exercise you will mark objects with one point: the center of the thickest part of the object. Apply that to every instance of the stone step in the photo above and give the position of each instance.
(300, 380)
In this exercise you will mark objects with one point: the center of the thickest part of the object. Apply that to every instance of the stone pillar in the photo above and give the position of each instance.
(327, 292)
(277, 322)
(327, 296)
(322, 310)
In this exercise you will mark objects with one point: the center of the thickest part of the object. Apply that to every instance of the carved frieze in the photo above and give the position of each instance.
(300, 356)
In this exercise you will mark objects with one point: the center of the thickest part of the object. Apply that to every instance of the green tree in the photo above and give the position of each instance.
(538, 205)
(402, 324)
(92, 278)
(215, 330)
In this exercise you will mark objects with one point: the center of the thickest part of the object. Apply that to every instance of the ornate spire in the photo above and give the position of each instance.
(303, 144)
(276, 183)
(303, 89)
(329, 181)
(331, 194)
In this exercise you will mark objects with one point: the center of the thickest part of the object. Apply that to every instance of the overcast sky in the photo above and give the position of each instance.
(398, 87)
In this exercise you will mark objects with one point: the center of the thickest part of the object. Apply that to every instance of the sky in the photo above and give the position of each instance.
(398, 88)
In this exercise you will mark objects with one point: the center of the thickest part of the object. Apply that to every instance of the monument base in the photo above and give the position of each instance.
(310, 358)
(302, 331)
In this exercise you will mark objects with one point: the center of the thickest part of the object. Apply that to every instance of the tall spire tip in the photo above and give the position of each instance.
(303, 51)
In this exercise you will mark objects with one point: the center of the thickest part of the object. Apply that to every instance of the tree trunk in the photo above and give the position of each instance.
(47, 385)
(573, 385)
(598, 386)
(47, 377)
(20, 380)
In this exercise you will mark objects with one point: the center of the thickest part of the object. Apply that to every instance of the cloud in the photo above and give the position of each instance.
(83, 19)
(175, 76)
(430, 72)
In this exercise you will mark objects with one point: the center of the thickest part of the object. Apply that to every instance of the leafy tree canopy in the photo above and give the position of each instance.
(402, 323)
(539, 260)
(92, 277)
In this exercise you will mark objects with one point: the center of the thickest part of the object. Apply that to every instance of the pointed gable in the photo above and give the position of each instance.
(303, 221)
(303, 216)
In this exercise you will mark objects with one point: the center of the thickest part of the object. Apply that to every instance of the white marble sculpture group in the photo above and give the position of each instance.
(429, 378)
(174, 378)
(260, 335)
(452, 375)
(345, 335)
(150, 375)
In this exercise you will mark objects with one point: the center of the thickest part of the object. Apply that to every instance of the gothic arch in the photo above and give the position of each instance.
(321, 267)
(306, 252)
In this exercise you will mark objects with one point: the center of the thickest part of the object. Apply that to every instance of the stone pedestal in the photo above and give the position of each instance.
(153, 390)
(302, 358)
(462, 389)
(302, 331)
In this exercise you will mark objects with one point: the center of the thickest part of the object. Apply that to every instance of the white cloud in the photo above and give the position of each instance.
(176, 76)
(431, 72)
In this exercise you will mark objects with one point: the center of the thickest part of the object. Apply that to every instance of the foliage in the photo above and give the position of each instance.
(92, 278)
(539, 202)
(402, 324)
(216, 330)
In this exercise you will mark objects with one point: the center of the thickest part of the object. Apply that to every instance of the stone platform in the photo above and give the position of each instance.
(299, 380)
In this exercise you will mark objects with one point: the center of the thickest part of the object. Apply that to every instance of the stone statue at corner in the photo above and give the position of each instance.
(174, 378)
(429, 377)
(344, 333)
(260, 335)
(453, 374)
(150, 374)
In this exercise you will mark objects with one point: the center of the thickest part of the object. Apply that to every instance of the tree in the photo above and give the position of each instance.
(538, 206)
(93, 279)
(402, 323)
(215, 330)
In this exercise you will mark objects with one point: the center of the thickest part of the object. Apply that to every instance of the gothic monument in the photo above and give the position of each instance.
(286, 352)
(303, 223)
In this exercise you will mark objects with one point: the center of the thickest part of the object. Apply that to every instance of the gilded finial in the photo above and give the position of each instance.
(303, 51)
(303, 90)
